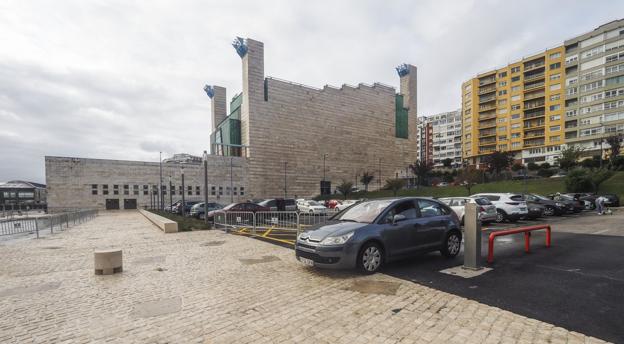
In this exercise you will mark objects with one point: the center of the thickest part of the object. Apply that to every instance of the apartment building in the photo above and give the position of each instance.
(446, 129)
(594, 86)
(424, 133)
(517, 108)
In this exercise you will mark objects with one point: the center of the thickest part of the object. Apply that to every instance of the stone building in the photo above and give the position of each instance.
(294, 136)
(285, 140)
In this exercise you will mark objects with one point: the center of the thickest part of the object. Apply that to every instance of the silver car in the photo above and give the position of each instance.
(371, 233)
(487, 211)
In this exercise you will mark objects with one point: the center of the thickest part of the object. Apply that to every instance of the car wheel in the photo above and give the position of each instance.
(452, 244)
(500, 216)
(370, 258)
(549, 211)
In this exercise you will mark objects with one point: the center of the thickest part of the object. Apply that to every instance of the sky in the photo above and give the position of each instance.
(123, 79)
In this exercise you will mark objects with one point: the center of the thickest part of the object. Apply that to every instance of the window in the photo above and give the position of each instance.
(555, 107)
(135, 190)
(189, 190)
(502, 111)
(515, 98)
(591, 86)
(105, 189)
(614, 93)
(555, 65)
(212, 190)
(145, 190)
(555, 127)
(221, 190)
(234, 193)
(502, 83)
(406, 209)
(502, 102)
(502, 92)
(502, 129)
(555, 87)
(555, 117)
(502, 120)
(515, 116)
(94, 189)
(515, 78)
(555, 76)
(555, 138)
(115, 189)
(227, 190)
(197, 193)
(615, 80)
(515, 88)
(515, 69)
(502, 138)
(515, 145)
(431, 208)
(242, 191)
(515, 126)
(126, 189)
(555, 97)
(614, 69)
(555, 55)
(515, 107)
(515, 136)
(502, 74)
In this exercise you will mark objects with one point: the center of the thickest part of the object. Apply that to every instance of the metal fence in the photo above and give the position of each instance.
(267, 220)
(40, 223)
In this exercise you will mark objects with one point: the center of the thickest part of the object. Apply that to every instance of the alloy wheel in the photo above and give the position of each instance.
(500, 217)
(371, 259)
(549, 211)
(453, 244)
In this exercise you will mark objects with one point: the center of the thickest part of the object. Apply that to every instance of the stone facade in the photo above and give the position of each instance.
(289, 128)
(88, 183)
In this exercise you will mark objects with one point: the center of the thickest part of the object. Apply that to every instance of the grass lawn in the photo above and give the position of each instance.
(184, 223)
(543, 186)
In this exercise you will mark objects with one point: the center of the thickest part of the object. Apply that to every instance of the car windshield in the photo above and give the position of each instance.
(482, 201)
(227, 207)
(314, 203)
(541, 197)
(364, 212)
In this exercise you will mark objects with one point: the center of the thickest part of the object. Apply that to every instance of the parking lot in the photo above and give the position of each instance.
(575, 284)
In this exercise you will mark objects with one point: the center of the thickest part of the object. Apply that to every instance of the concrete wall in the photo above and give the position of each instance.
(297, 125)
(69, 181)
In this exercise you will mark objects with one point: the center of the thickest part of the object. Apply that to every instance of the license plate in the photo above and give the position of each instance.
(306, 261)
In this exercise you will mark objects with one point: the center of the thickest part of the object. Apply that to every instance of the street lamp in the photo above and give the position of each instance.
(601, 139)
(379, 179)
(206, 187)
(170, 194)
(285, 185)
(183, 190)
(324, 158)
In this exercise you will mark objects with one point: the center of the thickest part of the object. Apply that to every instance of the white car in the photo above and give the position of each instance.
(506, 207)
(342, 205)
(311, 207)
(487, 211)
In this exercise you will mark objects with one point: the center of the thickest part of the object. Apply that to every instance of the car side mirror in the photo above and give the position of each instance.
(398, 218)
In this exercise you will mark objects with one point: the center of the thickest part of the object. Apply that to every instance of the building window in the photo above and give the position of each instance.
(145, 190)
(502, 83)
(515, 126)
(515, 78)
(227, 190)
(515, 136)
(555, 128)
(502, 92)
(242, 191)
(515, 145)
(555, 138)
(212, 190)
(94, 189)
(105, 189)
(555, 65)
(515, 116)
(221, 190)
(502, 74)
(135, 190)
(555, 117)
(189, 190)
(197, 192)
(515, 98)
(515, 70)
(555, 76)
(234, 191)
(502, 129)
(555, 97)
(126, 189)
(555, 87)
(115, 189)
(555, 107)
(555, 55)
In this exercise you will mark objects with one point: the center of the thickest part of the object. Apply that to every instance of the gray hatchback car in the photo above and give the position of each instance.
(371, 233)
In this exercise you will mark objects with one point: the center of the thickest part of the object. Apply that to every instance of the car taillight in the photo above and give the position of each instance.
(481, 209)
(512, 203)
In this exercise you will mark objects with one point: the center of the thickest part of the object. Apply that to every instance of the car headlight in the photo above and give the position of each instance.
(337, 240)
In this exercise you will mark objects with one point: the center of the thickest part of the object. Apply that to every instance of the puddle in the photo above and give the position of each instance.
(149, 260)
(157, 307)
(30, 289)
(212, 243)
(374, 287)
(264, 259)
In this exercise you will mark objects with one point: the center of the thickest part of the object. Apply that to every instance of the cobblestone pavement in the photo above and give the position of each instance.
(212, 287)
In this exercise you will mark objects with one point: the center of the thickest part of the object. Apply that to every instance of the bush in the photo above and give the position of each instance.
(583, 180)
(516, 167)
(533, 166)
(546, 173)
(545, 166)
(617, 163)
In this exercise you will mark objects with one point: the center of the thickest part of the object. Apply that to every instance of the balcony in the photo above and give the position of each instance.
(487, 99)
(571, 124)
(488, 124)
(489, 141)
(487, 107)
(534, 125)
(533, 143)
(487, 90)
(533, 86)
(533, 66)
(534, 95)
(534, 76)
(486, 133)
(487, 116)
(487, 81)
(534, 114)
(530, 134)
(487, 150)
(533, 105)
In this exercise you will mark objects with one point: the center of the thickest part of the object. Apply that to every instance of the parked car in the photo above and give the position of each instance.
(280, 204)
(238, 207)
(442, 184)
(487, 211)
(311, 208)
(342, 205)
(507, 209)
(612, 200)
(574, 205)
(372, 233)
(177, 207)
(534, 209)
(551, 208)
(198, 210)
(587, 199)
(331, 203)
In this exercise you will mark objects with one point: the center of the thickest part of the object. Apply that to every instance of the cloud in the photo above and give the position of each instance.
(123, 79)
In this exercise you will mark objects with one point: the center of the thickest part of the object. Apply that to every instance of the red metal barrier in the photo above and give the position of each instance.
(527, 238)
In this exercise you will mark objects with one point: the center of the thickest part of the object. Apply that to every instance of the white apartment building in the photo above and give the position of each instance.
(447, 138)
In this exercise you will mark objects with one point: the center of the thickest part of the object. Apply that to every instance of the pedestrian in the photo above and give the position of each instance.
(600, 205)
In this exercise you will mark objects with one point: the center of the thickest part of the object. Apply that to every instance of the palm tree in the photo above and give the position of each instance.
(366, 179)
(421, 169)
(395, 185)
(345, 188)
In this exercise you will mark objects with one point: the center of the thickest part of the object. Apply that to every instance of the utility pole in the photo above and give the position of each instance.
(379, 179)
(206, 187)
(170, 194)
(183, 190)
(324, 158)
(160, 188)
(285, 185)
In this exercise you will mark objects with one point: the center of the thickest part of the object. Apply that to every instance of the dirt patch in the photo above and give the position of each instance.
(374, 287)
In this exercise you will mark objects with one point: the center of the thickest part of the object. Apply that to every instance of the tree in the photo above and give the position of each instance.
(583, 180)
(545, 166)
(366, 179)
(614, 142)
(421, 169)
(447, 162)
(468, 177)
(395, 185)
(344, 188)
(569, 157)
(516, 167)
(499, 161)
(532, 166)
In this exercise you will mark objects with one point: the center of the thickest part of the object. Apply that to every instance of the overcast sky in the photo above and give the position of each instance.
(123, 79)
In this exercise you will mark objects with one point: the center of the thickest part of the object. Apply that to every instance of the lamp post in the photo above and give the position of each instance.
(170, 194)
(231, 180)
(161, 197)
(285, 185)
(324, 158)
(206, 187)
(601, 139)
(379, 179)
(151, 193)
(183, 190)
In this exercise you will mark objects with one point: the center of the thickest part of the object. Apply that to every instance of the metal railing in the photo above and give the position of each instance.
(40, 223)
(262, 221)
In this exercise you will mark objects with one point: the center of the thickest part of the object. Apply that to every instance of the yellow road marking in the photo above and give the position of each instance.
(268, 231)
(243, 230)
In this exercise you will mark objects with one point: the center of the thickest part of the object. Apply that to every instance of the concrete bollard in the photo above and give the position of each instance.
(472, 237)
(107, 262)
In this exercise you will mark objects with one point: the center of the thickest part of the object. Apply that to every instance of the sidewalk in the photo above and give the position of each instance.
(212, 287)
